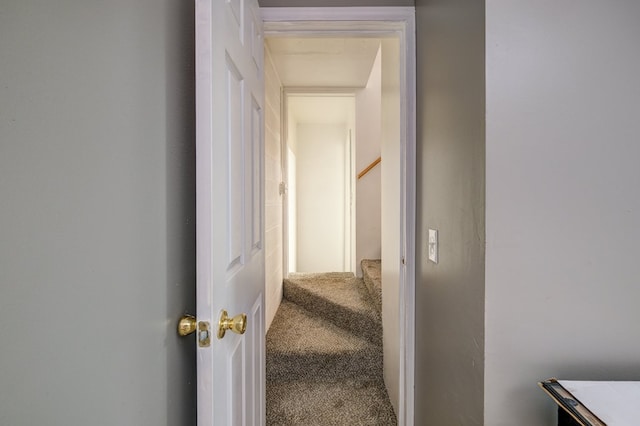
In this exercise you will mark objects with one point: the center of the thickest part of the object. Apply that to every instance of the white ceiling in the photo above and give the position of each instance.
(323, 62)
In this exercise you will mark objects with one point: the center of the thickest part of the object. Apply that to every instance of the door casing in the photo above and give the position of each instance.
(378, 22)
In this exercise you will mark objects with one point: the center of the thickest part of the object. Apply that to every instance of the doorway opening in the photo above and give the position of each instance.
(384, 24)
(319, 156)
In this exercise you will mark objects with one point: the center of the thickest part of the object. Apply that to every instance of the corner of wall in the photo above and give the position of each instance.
(368, 148)
(273, 200)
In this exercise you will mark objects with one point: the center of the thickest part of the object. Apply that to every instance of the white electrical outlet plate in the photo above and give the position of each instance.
(432, 245)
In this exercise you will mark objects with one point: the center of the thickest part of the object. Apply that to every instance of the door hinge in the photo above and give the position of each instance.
(282, 188)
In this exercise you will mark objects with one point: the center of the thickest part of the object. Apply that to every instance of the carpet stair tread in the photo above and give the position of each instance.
(340, 298)
(338, 402)
(301, 345)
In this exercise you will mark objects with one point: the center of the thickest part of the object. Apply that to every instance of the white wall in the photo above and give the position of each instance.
(563, 200)
(292, 201)
(390, 214)
(368, 134)
(273, 200)
(320, 182)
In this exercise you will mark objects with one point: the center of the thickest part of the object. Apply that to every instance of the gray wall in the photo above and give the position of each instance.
(97, 212)
(563, 200)
(334, 3)
(450, 190)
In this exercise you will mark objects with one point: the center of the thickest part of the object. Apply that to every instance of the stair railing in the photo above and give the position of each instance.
(369, 167)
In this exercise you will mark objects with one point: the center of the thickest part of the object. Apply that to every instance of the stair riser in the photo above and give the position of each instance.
(376, 294)
(356, 323)
(371, 278)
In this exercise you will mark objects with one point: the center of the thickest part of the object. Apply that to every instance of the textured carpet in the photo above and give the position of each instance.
(324, 403)
(371, 274)
(303, 346)
(324, 355)
(339, 298)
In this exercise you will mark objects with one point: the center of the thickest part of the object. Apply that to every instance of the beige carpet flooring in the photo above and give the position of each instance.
(324, 355)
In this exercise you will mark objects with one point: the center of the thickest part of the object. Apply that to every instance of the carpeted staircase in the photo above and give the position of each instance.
(324, 352)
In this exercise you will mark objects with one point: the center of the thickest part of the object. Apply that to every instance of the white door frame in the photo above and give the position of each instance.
(378, 22)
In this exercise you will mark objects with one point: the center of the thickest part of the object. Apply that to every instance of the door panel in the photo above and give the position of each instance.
(256, 173)
(230, 212)
(235, 365)
(235, 179)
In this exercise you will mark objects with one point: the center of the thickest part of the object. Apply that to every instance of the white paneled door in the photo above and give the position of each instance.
(230, 213)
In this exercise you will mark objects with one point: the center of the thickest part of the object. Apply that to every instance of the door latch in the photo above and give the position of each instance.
(188, 325)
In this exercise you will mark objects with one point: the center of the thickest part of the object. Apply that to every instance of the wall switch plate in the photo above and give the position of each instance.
(432, 245)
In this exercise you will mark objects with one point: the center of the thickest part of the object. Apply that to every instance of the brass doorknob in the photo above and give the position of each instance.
(187, 325)
(237, 324)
